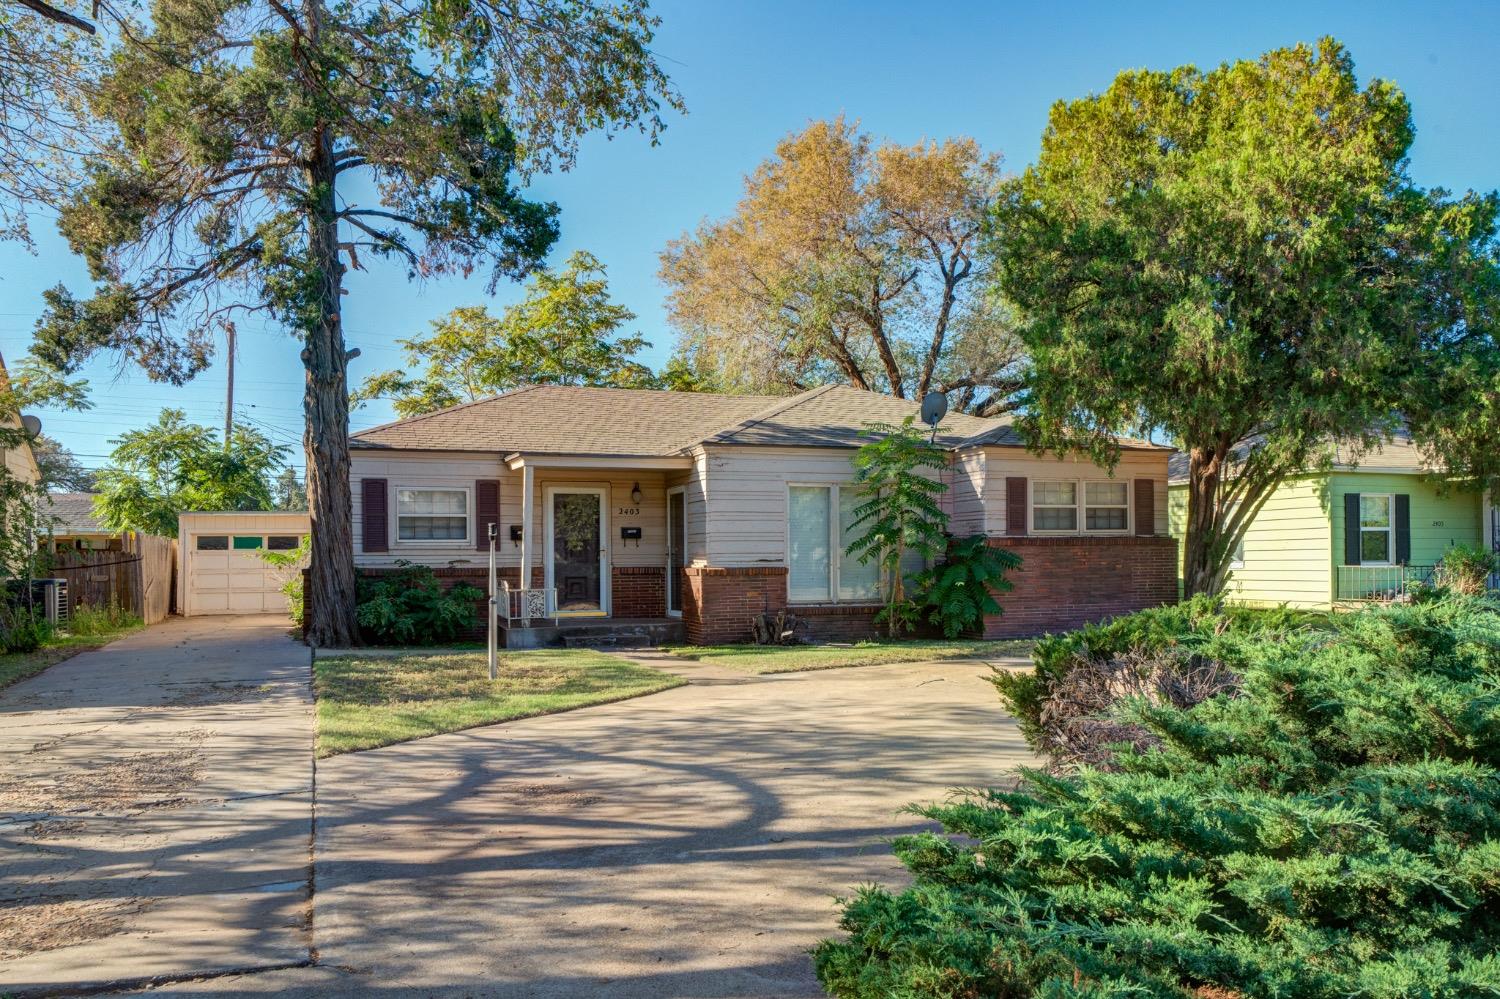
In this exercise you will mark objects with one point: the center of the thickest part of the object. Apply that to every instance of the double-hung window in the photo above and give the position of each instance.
(432, 514)
(1063, 506)
(1376, 536)
(820, 526)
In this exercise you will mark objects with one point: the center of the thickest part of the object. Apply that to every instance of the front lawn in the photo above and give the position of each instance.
(89, 629)
(364, 702)
(763, 659)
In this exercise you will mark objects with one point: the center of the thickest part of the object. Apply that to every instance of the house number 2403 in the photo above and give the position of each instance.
(628, 511)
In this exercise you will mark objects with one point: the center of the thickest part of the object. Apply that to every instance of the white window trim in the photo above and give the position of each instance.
(393, 502)
(667, 517)
(1389, 530)
(606, 551)
(835, 549)
(1080, 490)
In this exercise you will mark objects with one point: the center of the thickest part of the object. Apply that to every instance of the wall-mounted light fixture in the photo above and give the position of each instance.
(635, 493)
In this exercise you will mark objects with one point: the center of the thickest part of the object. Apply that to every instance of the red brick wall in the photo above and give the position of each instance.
(718, 603)
(1067, 582)
(638, 591)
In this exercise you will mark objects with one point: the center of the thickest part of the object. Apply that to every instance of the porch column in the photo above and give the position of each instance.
(528, 518)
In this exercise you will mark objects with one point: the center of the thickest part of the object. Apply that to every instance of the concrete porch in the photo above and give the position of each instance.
(592, 632)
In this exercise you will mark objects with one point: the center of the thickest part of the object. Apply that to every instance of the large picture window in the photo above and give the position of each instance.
(1375, 531)
(432, 515)
(820, 526)
(1068, 506)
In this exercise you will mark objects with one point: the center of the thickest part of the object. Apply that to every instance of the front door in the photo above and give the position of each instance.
(577, 553)
(676, 548)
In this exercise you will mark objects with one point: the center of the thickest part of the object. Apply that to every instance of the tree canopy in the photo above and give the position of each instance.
(565, 331)
(854, 261)
(1238, 258)
(262, 149)
(173, 466)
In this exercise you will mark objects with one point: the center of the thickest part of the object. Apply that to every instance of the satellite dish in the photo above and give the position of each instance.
(934, 408)
(31, 425)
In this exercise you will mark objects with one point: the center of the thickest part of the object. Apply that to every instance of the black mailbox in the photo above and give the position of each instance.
(515, 533)
(630, 533)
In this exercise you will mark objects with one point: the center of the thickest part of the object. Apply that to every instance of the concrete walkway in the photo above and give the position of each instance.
(155, 808)
(686, 844)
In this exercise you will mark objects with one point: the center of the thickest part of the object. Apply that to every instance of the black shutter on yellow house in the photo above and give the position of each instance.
(1351, 529)
(486, 511)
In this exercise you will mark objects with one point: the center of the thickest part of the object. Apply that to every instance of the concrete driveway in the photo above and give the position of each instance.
(155, 808)
(686, 844)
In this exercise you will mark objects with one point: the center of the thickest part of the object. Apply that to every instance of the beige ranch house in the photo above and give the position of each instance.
(687, 514)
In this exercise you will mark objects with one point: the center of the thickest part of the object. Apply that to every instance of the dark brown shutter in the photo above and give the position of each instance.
(1352, 548)
(486, 510)
(1403, 529)
(1015, 504)
(374, 511)
(1145, 508)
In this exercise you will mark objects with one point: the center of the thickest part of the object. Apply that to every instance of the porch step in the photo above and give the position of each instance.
(607, 641)
(604, 633)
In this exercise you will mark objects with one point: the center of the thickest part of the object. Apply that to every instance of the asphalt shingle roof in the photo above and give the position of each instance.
(73, 513)
(1398, 454)
(559, 419)
(563, 419)
(835, 416)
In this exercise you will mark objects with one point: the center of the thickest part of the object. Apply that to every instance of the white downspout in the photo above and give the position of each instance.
(527, 517)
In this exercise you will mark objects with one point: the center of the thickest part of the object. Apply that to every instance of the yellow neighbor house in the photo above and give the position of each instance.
(1359, 531)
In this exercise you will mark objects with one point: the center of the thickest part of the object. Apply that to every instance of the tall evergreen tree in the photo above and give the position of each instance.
(264, 148)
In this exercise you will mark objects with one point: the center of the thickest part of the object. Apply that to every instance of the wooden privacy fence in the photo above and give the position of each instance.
(139, 578)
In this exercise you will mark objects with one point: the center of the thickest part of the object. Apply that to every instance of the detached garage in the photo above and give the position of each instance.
(222, 571)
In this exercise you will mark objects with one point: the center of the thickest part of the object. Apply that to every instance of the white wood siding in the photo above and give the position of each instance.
(747, 488)
(448, 470)
(1002, 463)
(966, 493)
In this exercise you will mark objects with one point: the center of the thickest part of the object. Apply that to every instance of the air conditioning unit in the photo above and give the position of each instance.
(52, 596)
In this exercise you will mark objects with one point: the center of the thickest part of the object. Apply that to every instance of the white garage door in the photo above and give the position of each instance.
(226, 575)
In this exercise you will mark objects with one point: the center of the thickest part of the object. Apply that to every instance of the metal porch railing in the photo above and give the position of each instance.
(516, 604)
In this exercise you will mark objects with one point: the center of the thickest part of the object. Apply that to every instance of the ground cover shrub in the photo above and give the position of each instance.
(410, 607)
(1196, 626)
(1330, 827)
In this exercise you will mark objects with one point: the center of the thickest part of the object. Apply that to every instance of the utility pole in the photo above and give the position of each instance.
(229, 399)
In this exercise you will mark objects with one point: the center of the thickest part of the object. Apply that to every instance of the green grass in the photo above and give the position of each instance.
(89, 628)
(364, 702)
(795, 658)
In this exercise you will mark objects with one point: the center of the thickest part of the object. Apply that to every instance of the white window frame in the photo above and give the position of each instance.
(1389, 530)
(1081, 508)
(835, 549)
(467, 541)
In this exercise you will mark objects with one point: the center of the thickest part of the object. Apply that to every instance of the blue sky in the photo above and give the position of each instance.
(751, 72)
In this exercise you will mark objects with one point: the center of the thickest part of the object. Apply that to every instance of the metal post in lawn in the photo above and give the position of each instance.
(494, 665)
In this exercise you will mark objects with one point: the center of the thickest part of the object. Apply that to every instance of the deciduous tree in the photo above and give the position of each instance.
(1239, 258)
(854, 261)
(173, 466)
(264, 148)
(565, 331)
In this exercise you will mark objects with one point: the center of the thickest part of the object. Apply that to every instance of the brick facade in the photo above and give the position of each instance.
(638, 591)
(1067, 582)
(718, 603)
(1063, 583)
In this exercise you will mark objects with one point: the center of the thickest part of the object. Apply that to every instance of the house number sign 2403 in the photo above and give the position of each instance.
(628, 511)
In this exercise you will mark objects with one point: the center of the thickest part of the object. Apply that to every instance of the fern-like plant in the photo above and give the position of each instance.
(961, 589)
(898, 512)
